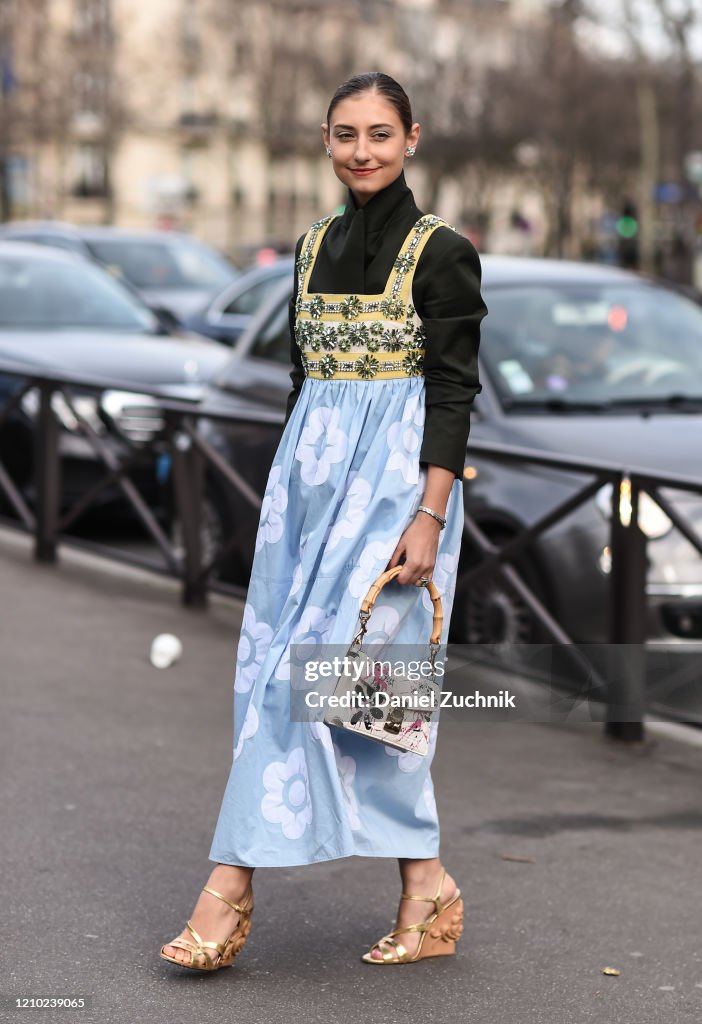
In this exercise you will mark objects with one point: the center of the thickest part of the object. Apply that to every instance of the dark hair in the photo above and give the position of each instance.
(385, 85)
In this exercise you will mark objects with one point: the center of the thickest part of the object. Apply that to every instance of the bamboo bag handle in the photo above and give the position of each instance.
(390, 574)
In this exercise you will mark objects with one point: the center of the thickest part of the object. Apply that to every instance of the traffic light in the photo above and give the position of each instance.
(627, 228)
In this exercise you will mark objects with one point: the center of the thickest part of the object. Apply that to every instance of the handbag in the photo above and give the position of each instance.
(385, 705)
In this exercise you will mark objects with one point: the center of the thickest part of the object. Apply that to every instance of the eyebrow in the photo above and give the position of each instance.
(351, 127)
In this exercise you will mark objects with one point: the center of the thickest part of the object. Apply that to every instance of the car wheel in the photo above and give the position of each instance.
(215, 528)
(496, 616)
(490, 613)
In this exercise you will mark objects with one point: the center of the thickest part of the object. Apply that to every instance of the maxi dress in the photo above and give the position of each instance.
(345, 483)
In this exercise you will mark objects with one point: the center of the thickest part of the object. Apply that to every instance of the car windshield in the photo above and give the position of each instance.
(178, 263)
(602, 345)
(37, 294)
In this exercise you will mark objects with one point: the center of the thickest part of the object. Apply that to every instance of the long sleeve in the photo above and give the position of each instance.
(297, 373)
(446, 293)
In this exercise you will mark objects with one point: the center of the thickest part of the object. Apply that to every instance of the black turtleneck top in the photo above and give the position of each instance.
(356, 257)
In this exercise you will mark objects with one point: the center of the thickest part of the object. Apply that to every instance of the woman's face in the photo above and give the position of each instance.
(368, 143)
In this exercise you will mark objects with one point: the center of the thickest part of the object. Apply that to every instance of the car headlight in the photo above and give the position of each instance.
(85, 405)
(137, 417)
(653, 521)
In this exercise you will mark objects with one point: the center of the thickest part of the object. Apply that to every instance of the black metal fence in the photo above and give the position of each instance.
(192, 456)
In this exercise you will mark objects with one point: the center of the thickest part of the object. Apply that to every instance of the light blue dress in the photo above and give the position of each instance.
(344, 485)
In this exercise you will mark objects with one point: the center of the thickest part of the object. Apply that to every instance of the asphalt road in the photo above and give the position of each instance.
(112, 776)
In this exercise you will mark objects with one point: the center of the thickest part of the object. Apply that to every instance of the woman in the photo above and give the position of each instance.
(385, 324)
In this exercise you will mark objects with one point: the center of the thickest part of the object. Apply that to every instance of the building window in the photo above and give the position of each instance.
(187, 96)
(90, 171)
(91, 91)
(92, 18)
(190, 191)
(189, 24)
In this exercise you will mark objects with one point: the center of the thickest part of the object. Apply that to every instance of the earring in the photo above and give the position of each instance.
(328, 150)
(411, 150)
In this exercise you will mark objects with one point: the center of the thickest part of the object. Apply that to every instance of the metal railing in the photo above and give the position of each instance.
(192, 456)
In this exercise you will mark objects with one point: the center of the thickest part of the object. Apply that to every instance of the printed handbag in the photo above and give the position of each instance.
(373, 700)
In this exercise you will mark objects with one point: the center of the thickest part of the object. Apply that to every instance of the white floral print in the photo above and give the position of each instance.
(249, 728)
(367, 571)
(297, 579)
(275, 502)
(404, 439)
(382, 625)
(254, 641)
(406, 760)
(322, 734)
(287, 801)
(322, 444)
(312, 630)
(352, 517)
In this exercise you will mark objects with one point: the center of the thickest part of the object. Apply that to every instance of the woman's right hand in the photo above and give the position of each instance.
(419, 544)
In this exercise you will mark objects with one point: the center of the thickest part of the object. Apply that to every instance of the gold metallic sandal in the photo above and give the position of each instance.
(200, 959)
(439, 933)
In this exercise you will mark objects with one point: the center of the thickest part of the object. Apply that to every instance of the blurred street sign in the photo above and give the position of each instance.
(668, 192)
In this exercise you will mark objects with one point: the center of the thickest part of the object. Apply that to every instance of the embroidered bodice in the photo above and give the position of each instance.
(362, 336)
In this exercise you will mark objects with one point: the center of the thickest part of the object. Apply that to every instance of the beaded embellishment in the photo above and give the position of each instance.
(362, 336)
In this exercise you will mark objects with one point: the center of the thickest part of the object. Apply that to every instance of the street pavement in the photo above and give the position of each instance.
(574, 853)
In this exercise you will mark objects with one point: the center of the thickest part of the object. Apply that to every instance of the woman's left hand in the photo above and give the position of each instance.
(419, 545)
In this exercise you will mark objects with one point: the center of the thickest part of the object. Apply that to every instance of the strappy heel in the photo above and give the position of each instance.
(200, 959)
(438, 934)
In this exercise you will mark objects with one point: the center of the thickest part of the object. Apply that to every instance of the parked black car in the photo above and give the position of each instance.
(576, 360)
(227, 315)
(60, 313)
(170, 270)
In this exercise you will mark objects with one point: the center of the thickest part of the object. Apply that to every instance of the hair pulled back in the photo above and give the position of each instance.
(391, 90)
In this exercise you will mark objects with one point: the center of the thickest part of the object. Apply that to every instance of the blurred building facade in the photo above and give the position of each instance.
(205, 114)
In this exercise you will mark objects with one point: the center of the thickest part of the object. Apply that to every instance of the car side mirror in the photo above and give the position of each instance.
(166, 318)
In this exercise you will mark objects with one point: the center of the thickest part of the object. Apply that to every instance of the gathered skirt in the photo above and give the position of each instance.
(344, 484)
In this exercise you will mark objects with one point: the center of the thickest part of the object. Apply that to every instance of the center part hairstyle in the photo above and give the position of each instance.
(391, 90)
